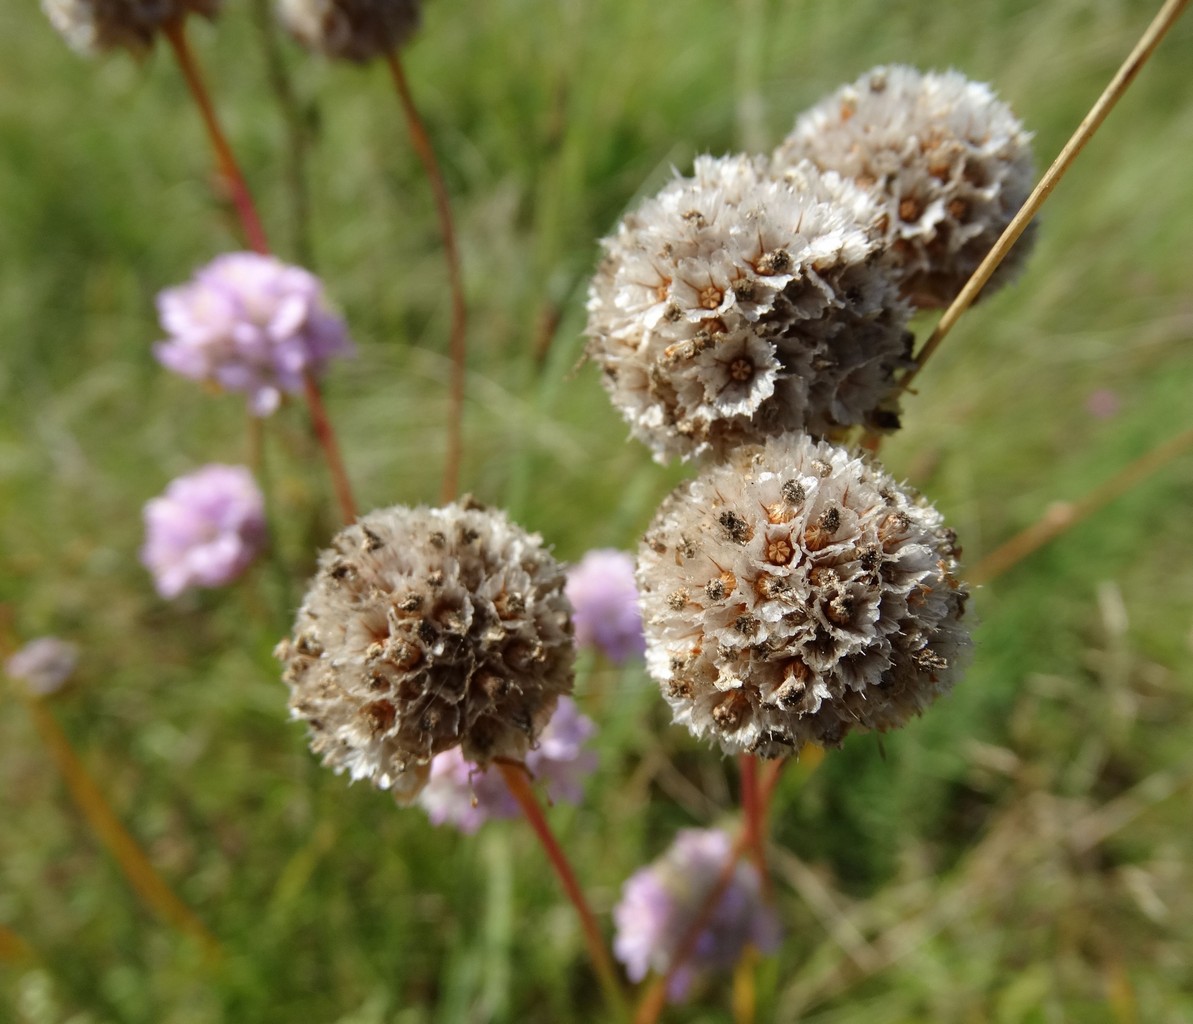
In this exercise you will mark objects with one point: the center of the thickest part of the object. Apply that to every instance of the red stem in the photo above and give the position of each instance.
(331, 449)
(752, 809)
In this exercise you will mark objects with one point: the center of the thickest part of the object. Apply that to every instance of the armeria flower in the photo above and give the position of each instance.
(661, 902)
(205, 530)
(356, 30)
(43, 665)
(428, 629)
(604, 597)
(250, 323)
(732, 306)
(949, 163)
(95, 26)
(796, 592)
(461, 794)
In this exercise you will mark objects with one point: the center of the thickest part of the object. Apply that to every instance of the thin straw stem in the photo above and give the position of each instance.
(1063, 516)
(457, 343)
(752, 811)
(238, 189)
(133, 861)
(519, 786)
(1118, 85)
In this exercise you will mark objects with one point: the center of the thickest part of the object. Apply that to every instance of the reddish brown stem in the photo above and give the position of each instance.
(752, 810)
(242, 199)
(516, 778)
(331, 449)
(457, 344)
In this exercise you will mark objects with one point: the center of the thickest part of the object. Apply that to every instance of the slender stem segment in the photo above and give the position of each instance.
(175, 32)
(1118, 85)
(519, 786)
(753, 812)
(1063, 516)
(326, 436)
(457, 345)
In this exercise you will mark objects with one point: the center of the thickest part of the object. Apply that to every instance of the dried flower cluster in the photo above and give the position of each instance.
(461, 794)
(205, 530)
(250, 323)
(604, 600)
(356, 30)
(796, 592)
(427, 629)
(661, 902)
(949, 163)
(733, 306)
(96, 26)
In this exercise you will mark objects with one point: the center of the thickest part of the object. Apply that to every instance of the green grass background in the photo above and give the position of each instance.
(1020, 854)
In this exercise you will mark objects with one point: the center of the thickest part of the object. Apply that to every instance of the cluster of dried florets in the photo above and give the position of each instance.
(95, 26)
(948, 162)
(427, 629)
(733, 305)
(796, 592)
(356, 30)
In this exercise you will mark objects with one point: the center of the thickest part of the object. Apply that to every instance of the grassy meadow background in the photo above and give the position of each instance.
(1020, 854)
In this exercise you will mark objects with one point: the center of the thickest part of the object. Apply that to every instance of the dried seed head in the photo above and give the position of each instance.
(844, 612)
(96, 26)
(356, 30)
(731, 307)
(421, 647)
(949, 163)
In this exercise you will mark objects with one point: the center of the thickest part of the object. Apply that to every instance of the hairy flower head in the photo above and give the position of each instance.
(948, 162)
(732, 306)
(356, 30)
(796, 592)
(205, 530)
(95, 26)
(250, 323)
(426, 629)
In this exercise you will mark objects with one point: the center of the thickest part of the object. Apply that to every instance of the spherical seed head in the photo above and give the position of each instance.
(44, 665)
(96, 26)
(250, 323)
(459, 793)
(356, 30)
(205, 530)
(949, 163)
(796, 592)
(428, 629)
(604, 597)
(732, 306)
(661, 902)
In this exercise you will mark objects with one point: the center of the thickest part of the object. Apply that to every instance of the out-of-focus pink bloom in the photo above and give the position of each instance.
(661, 901)
(43, 665)
(205, 530)
(462, 795)
(1102, 404)
(250, 323)
(605, 598)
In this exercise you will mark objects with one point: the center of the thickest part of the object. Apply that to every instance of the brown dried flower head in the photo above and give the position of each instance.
(732, 306)
(356, 30)
(427, 629)
(948, 161)
(96, 26)
(796, 592)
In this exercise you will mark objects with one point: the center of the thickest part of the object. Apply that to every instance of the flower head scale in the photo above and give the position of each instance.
(660, 902)
(43, 665)
(426, 629)
(356, 30)
(796, 592)
(461, 794)
(250, 323)
(604, 595)
(732, 306)
(949, 163)
(95, 26)
(205, 530)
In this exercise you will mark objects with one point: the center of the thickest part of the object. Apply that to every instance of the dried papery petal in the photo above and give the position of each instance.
(428, 629)
(796, 592)
(949, 163)
(356, 30)
(731, 307)
(96, 26)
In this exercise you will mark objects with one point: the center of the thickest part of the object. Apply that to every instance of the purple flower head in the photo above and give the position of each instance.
(205, 530)
(249, 323)
(462, 795)
(605, 598)
(662, 900)
(43, 665)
